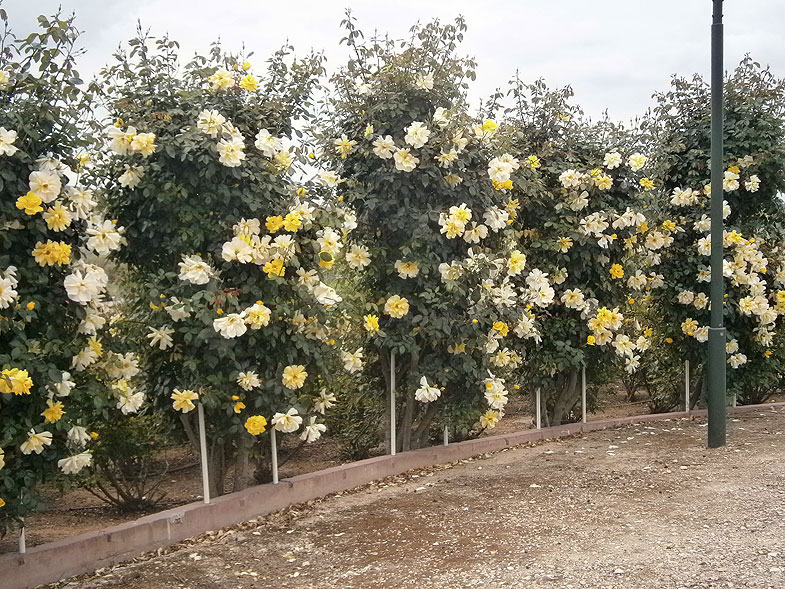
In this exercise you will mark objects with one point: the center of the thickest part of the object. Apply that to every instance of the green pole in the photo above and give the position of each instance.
(716, 371)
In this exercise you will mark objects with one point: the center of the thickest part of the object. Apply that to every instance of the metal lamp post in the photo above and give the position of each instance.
(716, 366)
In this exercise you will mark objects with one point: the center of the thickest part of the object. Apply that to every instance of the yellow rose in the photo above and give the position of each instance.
(54, 411)
(274, 223)
(396, 306)
(256, 425)
(30, 203)
(292, 222)
(502, 328)
(294, 376)
(274, 268)
(617, 271)
(13, 380)
(249, 83)
(371, 323)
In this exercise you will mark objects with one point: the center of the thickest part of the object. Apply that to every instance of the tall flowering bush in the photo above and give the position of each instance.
(223, 246)
(432, 255)
(754, 272)
(582, 222)
(54, 305)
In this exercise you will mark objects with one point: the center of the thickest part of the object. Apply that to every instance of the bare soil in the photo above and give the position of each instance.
(641, 506)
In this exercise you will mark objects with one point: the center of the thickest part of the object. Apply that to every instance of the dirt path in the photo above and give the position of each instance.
(639, 507)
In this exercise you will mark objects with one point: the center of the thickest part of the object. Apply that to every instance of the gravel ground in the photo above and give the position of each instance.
(638, 507)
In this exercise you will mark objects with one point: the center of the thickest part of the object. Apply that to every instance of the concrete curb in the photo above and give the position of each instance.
(85, 553)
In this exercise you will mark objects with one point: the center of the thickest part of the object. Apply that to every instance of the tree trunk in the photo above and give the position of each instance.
(216, 455)
(216, 465)
(546, 416)
(242, 465)
(216, 468)
(420, 437)
(384, 359)
(263, 472)
(630, 387)
(187, 420)
(405, 427)
(698, 389)
(566, 398)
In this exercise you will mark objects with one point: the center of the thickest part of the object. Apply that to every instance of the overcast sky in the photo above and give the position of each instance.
(615, 53)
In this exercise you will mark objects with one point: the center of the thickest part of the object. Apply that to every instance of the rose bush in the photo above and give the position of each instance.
(223, 245)
(433, 252)
(753, 179)
(583, 224)
(54, 304)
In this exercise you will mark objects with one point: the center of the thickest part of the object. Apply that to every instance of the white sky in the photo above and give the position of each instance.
(615, 53)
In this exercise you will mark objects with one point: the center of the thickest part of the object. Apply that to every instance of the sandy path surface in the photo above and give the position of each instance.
(638, 507)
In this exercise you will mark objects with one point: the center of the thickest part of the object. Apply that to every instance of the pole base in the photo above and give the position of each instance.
(716, 397)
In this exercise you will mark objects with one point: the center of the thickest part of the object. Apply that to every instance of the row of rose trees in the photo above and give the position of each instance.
(233, 244)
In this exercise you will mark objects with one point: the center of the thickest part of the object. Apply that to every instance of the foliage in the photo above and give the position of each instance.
(53, 305)
(753, 241)
(127, 468)
(404, 154)
(222, 241)
(582, 220)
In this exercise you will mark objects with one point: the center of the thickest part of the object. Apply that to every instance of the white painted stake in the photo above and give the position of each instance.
(583, 393)
(538, 409)
(734, 399)
(687, 386)
(446, 435)
(203, 452)
(22, 542)
(274, 455)
(392, 403)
